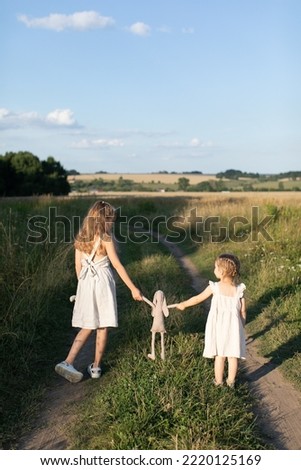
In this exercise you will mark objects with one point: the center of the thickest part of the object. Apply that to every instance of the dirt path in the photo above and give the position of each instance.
(278, 407)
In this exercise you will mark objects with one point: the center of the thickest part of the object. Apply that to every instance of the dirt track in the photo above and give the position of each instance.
(278, 407)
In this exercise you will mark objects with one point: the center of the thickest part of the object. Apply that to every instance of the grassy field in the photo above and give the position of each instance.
(165, 178)
(169, 182)
(260, 198)
(139, 404)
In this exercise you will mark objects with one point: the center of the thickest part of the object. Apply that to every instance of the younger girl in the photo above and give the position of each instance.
(224, 332)
(95, 305)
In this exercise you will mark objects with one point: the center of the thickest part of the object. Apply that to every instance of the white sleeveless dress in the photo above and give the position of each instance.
(224, 331)
(95, 303)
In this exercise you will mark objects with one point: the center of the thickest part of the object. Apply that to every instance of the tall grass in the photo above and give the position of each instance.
(34, 281)
(271, 269)
(138, 403)
(35, 284)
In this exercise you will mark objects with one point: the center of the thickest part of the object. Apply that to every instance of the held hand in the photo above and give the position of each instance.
(136, 294)
(180, 306)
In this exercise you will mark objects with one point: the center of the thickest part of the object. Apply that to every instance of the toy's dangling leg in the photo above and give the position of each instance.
(162, 347)
(152, 355)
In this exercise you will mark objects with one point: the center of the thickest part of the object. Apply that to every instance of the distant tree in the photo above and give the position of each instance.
(7, 177)
(183, 183)
(123, 184)
(52, 167)
(54, 177)
(204, 186)
(236, 174)
(281, 186)
(290, 174)
(24, 162)
(209, 186)
(28, 173)
(72, 172)
(230, 174)
(23, 174)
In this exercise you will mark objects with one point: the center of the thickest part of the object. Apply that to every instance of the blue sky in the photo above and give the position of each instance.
(132, 86)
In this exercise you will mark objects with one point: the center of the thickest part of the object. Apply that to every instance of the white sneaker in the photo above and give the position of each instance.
(68, 372)
(94, 372)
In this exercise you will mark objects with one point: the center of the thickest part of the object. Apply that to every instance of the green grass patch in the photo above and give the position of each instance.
(139, 403)
(165, 405)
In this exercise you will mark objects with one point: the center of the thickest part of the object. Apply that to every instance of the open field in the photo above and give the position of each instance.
(36, 315)
(258, 197)
(175, 182)
(144, 177)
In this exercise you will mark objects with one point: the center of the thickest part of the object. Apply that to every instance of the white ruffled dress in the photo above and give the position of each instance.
(224, 331)
(95, 303)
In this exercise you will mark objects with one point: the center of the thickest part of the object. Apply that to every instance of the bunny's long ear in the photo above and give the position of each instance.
(164, 307)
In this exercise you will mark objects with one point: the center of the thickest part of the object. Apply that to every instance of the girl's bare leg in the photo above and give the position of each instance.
(219, 366)
(152, 354)
(100, 346)
(78, 343)
(232, 370)
(162, 347)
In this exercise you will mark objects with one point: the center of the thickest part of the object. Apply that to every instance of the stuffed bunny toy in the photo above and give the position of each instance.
(159, 311)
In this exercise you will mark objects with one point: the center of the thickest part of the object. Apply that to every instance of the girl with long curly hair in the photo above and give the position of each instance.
(95, 305)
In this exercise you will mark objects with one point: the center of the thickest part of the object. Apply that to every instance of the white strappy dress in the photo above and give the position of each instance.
(95, 303)
(224, 331)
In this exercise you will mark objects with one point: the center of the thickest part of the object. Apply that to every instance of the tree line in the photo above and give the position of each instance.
(236, 174)
(24, 174)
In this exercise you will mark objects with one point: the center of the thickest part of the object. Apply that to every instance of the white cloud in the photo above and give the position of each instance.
(80, 21)
(140, 29)
(4, 113)
(197, 143)
(144, 133)
(12, 120)
(58, 117)
(97, 143)
(61, 117)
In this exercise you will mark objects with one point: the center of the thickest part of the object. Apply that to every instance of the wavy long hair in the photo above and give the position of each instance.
(98, 222)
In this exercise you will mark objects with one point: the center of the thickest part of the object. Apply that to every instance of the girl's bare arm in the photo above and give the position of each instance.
(243, 311)
(196, 299)
(116, 263)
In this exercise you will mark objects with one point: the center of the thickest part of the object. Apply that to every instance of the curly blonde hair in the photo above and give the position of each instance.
(97, 223)
(230, 265)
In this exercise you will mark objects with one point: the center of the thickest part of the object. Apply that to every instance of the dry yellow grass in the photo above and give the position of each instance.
(166, 178)
(257, 197)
